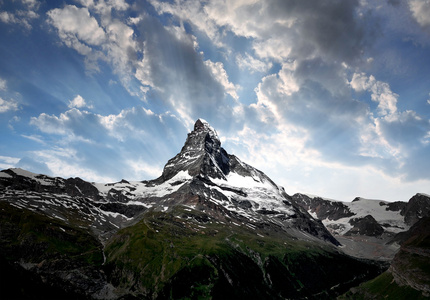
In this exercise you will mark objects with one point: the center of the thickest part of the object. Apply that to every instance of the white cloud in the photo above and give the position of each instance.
(288, 83)
(360, 82)
(280, 29)
(19, 18)
(186, 83)
(142, 169)
(421, 11)
(108, 40)
(24, 13)
(78, 102)
(380, 92)
(105, 7)
(277, 48)
(3, 85)
(84, 126)
(36, 138)
(7, 162)
(193, 12)
(220, 75)
(31, 4)
(8, 105)
(6, 17)
(67, 162)
(73, 22)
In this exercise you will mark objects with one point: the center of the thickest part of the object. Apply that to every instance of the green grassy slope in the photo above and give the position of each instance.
(409, 275)
(43, 258)
(172, 255)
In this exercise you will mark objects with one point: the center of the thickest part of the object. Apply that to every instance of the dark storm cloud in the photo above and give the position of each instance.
(331, 29)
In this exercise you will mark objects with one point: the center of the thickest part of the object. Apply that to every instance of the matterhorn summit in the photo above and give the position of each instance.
(201, 155)
(223, 182)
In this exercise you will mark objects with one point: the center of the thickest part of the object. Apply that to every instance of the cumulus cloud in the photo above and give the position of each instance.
(3, 85)
(220, 75)
(285, 28)
(79, 102)
(195, 13)
(109, 39)
(303, 109)
(75, 23)
(105, 7)
(25, 12)
(313, 43)
(398, 136)
(420, 11)
(380, 92)
(8, 105)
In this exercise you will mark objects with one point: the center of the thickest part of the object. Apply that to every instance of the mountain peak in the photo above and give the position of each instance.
(201, 124)
(201, 154)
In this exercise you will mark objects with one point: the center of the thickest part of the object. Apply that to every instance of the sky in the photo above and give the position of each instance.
(330, 98)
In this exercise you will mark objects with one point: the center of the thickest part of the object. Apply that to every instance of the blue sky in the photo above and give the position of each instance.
(326, 97)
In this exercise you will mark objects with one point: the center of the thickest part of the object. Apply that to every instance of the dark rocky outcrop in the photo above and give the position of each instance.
(324, 209)
(365, 226)
(417, 207)
(409, 274)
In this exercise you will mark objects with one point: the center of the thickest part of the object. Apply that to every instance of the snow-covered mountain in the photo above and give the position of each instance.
(210, 226)
(366, 227)
(221, 183)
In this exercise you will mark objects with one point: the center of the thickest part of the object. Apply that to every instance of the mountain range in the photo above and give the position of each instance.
(211, 226)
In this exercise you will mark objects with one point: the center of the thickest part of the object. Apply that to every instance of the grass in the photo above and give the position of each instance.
(35, 237)
(173, 255)
(383, 287)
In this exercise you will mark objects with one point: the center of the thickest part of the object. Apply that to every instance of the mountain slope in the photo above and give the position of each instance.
(409, 274)
(209, 225)
(366, 228)
(186, 253)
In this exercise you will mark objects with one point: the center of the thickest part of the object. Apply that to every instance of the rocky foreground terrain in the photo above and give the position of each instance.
(210, 226)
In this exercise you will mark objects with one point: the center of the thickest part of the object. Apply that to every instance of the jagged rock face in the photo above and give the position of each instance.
(223, 182)
(201, 155)
(365, 226)
(408, 277)
(394, 206)
(389, 218)
(417, 208)
(323, 209)
(411, 264)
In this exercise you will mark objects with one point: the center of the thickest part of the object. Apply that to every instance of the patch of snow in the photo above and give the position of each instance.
(142, 190)
(324, 198)
(4, 175)
(137, 203)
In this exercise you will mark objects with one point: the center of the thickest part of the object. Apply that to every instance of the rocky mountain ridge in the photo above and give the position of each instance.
(408, 276)
(202, 168)
(208, 214)
(367, 228)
